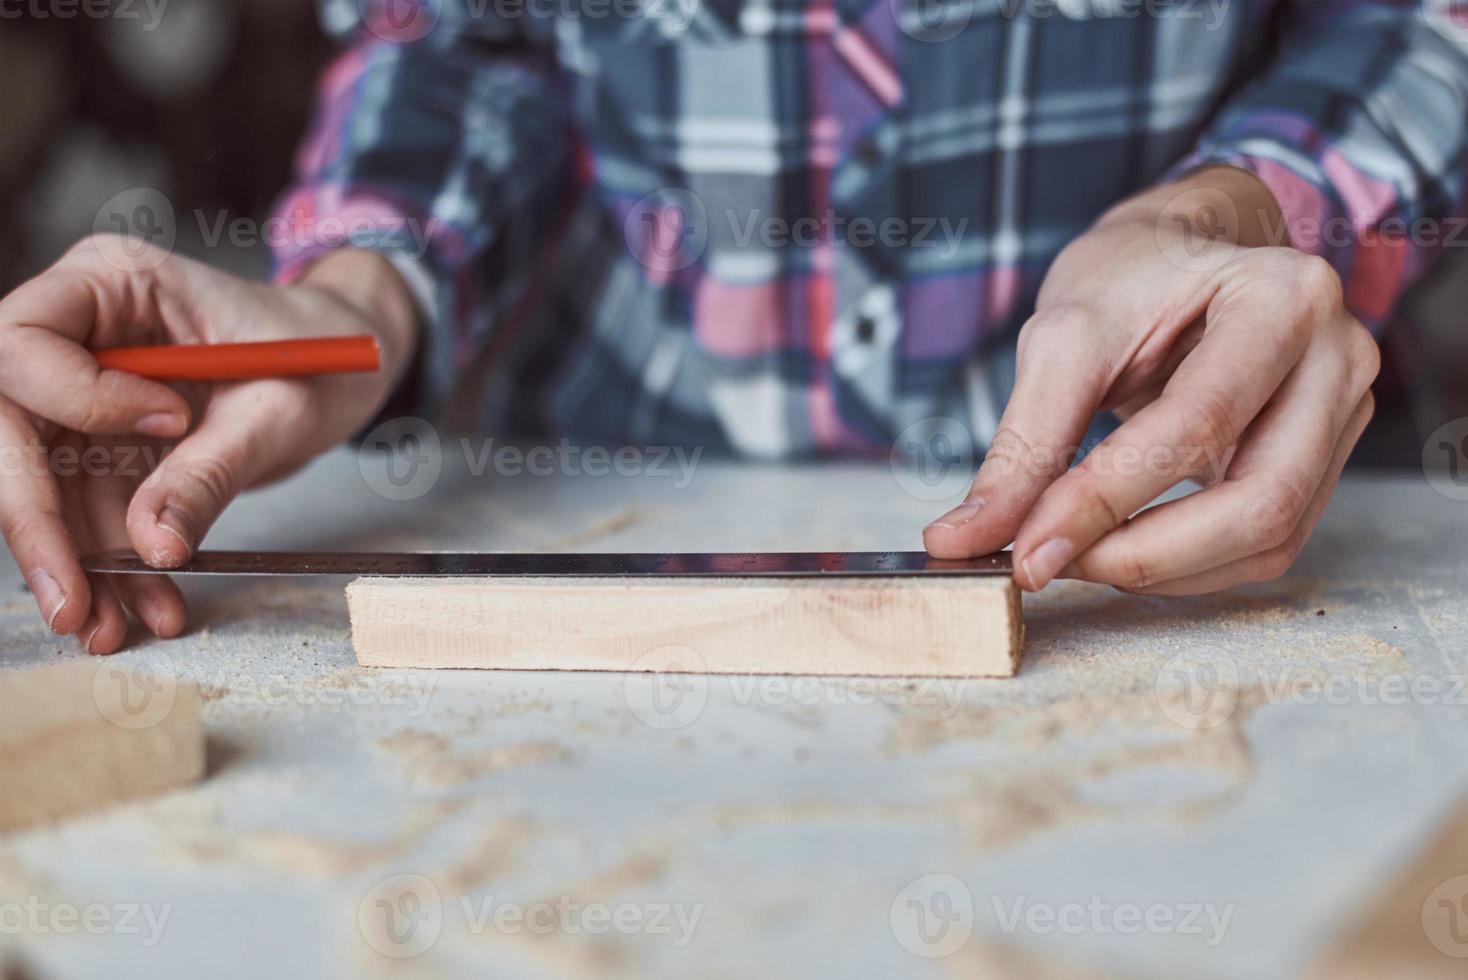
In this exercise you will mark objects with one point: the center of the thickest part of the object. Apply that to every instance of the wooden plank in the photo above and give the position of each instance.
(1417, 926)
(81, 734)
(965, 626)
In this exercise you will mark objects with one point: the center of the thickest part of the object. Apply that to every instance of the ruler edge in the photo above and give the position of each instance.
(129, 563)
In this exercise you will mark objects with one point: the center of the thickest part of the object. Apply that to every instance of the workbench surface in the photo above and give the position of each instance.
(1207, 787)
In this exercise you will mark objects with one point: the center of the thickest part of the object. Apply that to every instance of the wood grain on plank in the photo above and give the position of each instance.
(965, 626)
(81, 734)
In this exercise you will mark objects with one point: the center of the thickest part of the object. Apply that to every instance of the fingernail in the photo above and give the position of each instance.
(53, 600)
(960, 515)
(1041, 564)
(161, 425)
(87, 643)
(172, 520)
(147, 609)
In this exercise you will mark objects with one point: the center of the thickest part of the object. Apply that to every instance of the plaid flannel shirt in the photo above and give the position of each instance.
(783, 227)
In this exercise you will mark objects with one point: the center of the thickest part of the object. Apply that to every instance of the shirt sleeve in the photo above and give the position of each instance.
(1358, 129)
(440, 138)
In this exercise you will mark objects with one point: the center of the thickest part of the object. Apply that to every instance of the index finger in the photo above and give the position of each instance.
(1060, 380)
(1245, 354)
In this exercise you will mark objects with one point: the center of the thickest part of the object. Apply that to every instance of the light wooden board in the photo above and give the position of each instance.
(81, 734)
(890, 626)
(1417, 927)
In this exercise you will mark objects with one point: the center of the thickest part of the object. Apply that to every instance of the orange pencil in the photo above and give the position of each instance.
(233, 362)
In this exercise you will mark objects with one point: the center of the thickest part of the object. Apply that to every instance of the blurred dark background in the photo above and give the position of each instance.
(204, 101)
(201, 99)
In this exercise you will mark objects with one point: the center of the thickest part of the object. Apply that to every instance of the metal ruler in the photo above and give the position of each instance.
(632, 565)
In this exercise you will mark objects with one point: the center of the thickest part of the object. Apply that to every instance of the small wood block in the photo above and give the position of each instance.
(905, 626)
(81, 734)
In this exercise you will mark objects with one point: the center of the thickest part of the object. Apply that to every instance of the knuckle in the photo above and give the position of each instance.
(89, 245)
(1272, 564)
(1055, 332)
(117, 262)
(1275, 513)
(89, 416)
(1095, 507)
(1133, 571)
(20, 526)
(1317, 281)
(1365, 356)
(1206, 423)
(215, 479)
(1009, 455)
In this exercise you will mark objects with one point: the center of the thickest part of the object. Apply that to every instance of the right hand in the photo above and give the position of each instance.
(94, 460)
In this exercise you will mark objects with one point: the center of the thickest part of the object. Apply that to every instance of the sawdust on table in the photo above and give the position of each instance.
(498, 848)
(985, 958)
(414, 744)
(205, 838)
(1125, 724)
(432, 760)
(1248, 607)
(583, 953)
(455, 722)
(1360, 644)
(992, 808)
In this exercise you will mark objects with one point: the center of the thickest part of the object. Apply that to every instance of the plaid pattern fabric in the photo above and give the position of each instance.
(784, 227)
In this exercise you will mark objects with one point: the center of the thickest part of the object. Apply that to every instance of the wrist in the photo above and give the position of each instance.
(369, 284)
(357, 291)
(1217, 198)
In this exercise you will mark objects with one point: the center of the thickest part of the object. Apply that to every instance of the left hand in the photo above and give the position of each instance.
(1236, 365)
